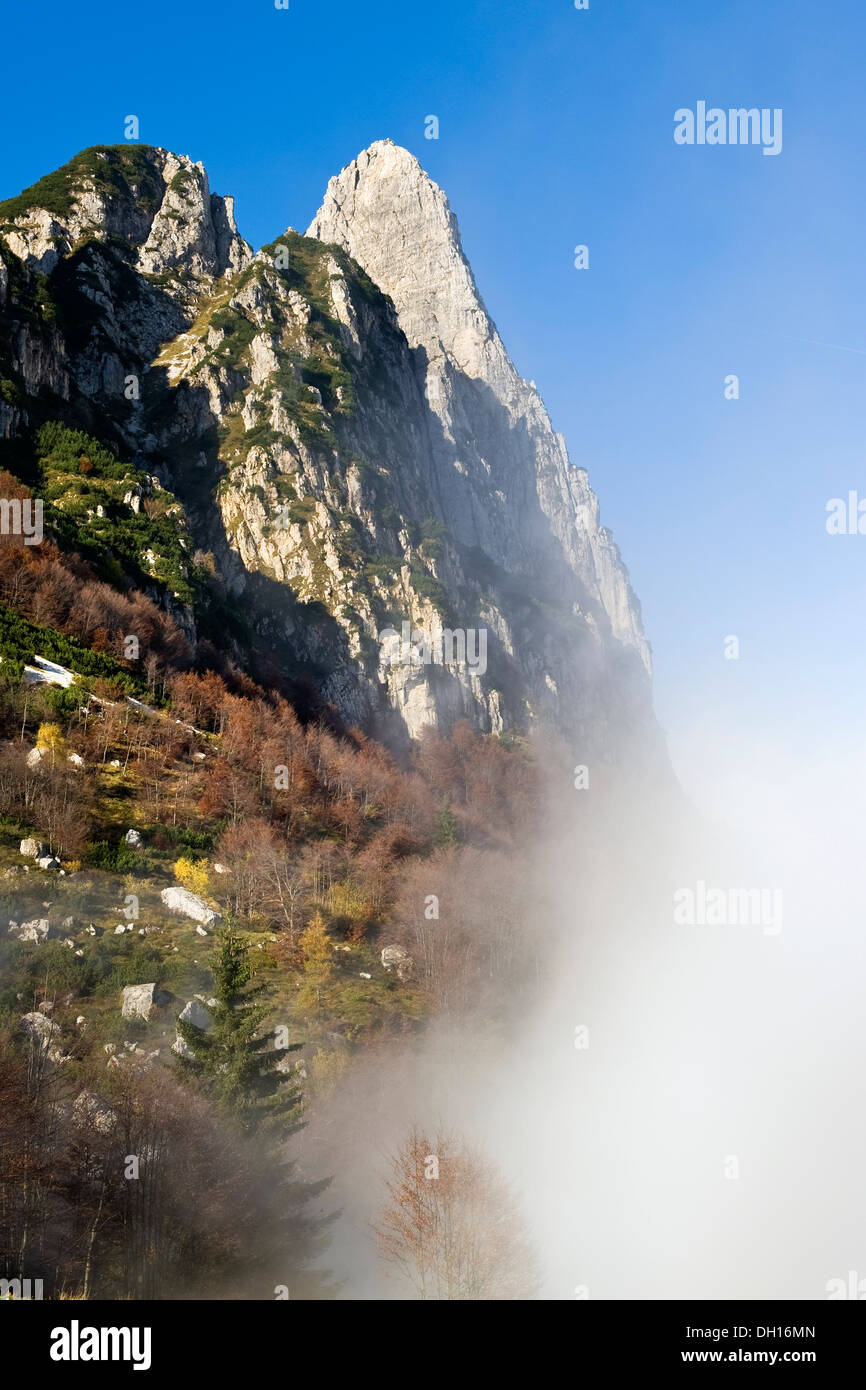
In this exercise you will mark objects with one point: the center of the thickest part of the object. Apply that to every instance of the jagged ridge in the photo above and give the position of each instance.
(343, 425)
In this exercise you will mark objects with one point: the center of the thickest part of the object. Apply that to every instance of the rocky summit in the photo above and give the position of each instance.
(335, 432)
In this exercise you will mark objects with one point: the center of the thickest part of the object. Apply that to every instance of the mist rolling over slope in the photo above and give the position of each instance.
(668, 1097)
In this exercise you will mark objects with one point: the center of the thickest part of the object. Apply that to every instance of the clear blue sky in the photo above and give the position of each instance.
(557, 129)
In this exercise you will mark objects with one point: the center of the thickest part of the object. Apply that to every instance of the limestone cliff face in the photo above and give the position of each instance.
(348, 436)
(110, 256)
(158, 205)
(504, 477)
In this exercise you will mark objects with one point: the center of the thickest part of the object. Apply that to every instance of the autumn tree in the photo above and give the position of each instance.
(466, 918)
(193, 874)
(137, 1188)
(450, 1227)
(317, 950)
(53, 799)
(246, 850)
(261, 878)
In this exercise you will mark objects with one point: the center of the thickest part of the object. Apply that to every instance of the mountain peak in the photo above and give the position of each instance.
(157, 202)
(390, 153)
(389, 215)
(349, 463)
(495, 441)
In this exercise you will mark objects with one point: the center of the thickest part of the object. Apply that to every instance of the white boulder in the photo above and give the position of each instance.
(196, 1013)
(189, 905)
(42, 1030)
(90, 1112)
(398, 959)
(138, 1001)
(36, 930)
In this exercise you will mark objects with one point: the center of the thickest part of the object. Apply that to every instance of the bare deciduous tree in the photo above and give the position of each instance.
(451, 1227)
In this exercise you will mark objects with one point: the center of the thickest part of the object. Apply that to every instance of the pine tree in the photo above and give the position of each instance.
(446, 831)
(233, 1058)
(234, 1063)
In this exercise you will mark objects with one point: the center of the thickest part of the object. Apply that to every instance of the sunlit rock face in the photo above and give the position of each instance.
(354, 449)
(504, 477)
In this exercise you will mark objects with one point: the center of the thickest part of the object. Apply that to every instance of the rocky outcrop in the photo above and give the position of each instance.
(398, 959)
(505, 481)
(353, 445)
(44, 1033)
(156, 205)
(129, 237)
(34, 931)
(197, 1013)
(139, 1001)
(89, 1111)
(192, 229)
(189, 905)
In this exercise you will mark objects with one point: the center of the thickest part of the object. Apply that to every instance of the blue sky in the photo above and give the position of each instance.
(556, 128)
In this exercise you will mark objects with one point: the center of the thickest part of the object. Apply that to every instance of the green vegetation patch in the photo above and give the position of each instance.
(77, 475)
(21, 640)
(114, 171)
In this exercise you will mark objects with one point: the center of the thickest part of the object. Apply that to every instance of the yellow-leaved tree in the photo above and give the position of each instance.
(50, 740)
(193, 874)
(317, 950)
